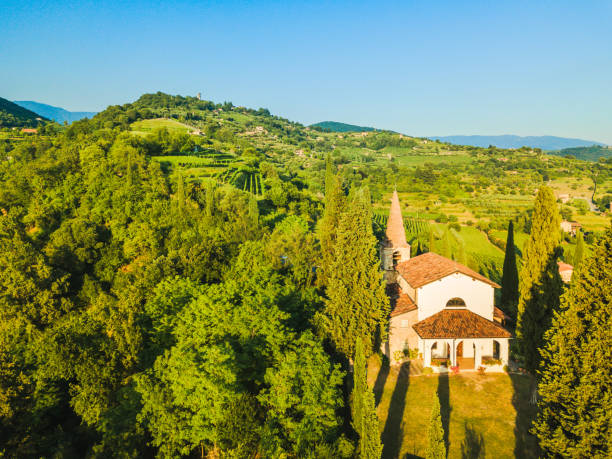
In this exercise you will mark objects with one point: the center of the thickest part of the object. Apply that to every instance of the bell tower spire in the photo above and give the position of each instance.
(395, 247)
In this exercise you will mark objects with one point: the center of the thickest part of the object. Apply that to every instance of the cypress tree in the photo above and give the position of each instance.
(446, 245)
(461, 256)
(436, 448)
(365, 420)
(180, 192)
(576, 404)
(335, 202)
(431, 246)
(510, 281)
(357, 307)
(540, 283)
(579, 252)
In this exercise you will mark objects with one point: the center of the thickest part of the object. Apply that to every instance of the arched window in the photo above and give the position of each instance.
(455, 303)
(396, 258)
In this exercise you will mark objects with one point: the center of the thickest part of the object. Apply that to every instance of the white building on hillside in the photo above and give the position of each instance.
(440, 307)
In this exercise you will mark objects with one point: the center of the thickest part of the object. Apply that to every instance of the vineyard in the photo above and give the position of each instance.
(244, 177)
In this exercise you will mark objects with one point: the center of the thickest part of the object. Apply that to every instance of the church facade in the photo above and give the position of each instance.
(441, 309)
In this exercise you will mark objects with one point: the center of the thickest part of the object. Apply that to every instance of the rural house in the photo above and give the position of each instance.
(440, 308)
(570, 227)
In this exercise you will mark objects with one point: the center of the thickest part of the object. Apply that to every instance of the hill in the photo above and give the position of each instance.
(592, 153)
(335, 126)
(166, 247)
(545, 142)
(13, 115)
(54, 113)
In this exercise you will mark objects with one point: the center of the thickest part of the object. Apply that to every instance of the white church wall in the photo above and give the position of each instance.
(406, 288)
(401, 333)
(478, 296)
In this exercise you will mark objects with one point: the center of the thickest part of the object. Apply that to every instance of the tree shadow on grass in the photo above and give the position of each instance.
(393, 432)
(473, 446)
(445, 408)
(381, 380)
(525, 444)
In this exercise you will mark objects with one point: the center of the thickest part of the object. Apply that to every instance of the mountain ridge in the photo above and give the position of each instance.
(545, 142)
(14, 115)
(336, 126)
(51, 112)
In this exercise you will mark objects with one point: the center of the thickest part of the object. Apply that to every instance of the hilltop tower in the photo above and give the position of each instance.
(395, 248)
(199, 96)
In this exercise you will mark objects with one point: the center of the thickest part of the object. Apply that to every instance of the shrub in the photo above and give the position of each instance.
(506, 369)
(455, 369)
(398, 356)
(481, 370)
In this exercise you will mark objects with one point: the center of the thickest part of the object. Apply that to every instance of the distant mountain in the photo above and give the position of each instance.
(545, 142)
(592, 153)
(13, 115)
(54, 113)
(335, 126)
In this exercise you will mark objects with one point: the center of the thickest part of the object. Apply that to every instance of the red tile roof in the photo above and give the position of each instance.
(564, 266)
(395, 234)
(430, 267)
(400, 302)
(498, 313)
(459, 323)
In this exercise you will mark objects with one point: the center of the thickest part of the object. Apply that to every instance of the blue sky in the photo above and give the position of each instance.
(422, 68)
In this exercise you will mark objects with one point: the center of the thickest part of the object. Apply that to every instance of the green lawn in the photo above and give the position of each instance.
(487, 415)
(419, 160)
(144, 127)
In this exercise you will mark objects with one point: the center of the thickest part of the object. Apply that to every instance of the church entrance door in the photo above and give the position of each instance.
(460, 349)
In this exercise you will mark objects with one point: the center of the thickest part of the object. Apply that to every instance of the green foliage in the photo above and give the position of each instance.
(540, 284)
(436, 448)
(13, 115)
(575, 386)
(510, 281)
(357, 306)
(363, 409)
(592, 153)
(334, 126)
(328, 227)
(233, 347)
(578, 251)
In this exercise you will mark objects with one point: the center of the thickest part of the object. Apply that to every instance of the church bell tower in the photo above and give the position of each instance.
(395, 248)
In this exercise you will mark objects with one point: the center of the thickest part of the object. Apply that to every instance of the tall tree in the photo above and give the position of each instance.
(436, 448)
(575, 408)
(357, 306)
(579, 251)
(365, 420)
(334, 206)
(446, 250)
(540, 284)
(510, 280)
(431, 245)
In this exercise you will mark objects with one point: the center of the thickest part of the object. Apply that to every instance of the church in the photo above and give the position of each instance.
(441, 309)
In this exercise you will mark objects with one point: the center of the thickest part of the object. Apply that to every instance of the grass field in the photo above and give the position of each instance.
(483, 415)
(144, 127)
(419, 160)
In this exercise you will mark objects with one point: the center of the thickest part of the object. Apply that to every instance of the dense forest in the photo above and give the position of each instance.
(185, 278)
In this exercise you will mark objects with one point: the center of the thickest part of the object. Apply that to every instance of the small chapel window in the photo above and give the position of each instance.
(455, 303)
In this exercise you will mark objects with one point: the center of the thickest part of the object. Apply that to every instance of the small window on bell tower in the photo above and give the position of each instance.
(396, 258)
